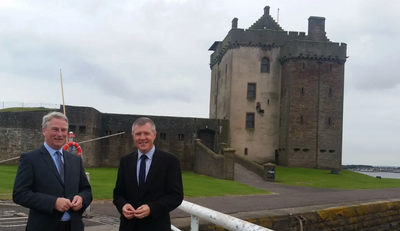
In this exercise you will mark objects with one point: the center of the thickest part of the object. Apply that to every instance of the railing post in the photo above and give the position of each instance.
(87, 211)
(194, 223)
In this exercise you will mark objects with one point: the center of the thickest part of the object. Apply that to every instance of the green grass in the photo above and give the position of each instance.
(19, 109)
(324, 179)
(7, 177)
(102, 181)
(203, 186)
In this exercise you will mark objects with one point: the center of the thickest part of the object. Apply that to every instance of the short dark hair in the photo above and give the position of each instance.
(142, 121)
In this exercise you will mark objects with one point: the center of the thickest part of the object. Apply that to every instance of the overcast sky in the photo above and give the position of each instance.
(151, 57)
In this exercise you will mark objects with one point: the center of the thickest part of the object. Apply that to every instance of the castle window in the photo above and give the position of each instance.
(251, 90)
(72, 128)
(82, 129)
(330, 92)
(301, 120)
(181, 137)
(245, 151)
(302, 91)
(329, 121)
(163, 136)
(264, 65)
(249, 120)
(226, 68)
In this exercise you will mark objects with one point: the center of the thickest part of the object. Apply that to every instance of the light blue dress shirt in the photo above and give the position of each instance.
(148, 162)
(53, 154)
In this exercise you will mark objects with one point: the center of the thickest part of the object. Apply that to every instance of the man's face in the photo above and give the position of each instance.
(55, 133)
(144, 137)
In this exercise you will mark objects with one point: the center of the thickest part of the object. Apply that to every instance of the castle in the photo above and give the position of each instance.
(282, 92)
(276, 96)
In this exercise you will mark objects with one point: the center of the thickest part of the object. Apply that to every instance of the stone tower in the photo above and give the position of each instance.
(282, 92)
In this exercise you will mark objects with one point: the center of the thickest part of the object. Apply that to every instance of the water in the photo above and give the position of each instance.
(392, 175)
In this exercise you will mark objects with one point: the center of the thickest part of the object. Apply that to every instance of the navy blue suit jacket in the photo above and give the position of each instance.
(38, 185)
(163, 191)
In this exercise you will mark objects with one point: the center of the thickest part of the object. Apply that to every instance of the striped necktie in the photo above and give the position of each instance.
(60, 165)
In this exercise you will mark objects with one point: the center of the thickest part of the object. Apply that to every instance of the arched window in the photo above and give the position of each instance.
(264, 65)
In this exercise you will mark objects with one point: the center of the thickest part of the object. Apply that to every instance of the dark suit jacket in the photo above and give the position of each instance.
(163, 191)
(38, 185)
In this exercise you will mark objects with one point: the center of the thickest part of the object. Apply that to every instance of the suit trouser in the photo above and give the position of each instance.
(64, 226)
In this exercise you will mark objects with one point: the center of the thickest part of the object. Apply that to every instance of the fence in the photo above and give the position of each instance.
(224, 220)
(25, 104)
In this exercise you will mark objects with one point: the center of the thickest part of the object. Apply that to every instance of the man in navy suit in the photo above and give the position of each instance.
(149, 183)
(51, 182)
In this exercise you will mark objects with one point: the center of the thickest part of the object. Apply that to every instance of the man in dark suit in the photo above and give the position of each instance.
(149, 183)
(51, 182)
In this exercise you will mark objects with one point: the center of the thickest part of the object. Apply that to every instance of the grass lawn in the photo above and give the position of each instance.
(103, 182)
(18, 109)
(324, 179)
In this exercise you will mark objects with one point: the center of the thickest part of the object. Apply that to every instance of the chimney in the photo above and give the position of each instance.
(234, 23)
(316, 28)
(266, 10)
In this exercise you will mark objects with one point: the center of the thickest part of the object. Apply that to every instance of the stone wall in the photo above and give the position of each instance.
(311, 113)
(208, 163)
(250, 165)
(21, 132)
(376, 216)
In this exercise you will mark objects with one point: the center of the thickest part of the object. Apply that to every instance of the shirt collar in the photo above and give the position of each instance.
(51, 150)
(148, 154)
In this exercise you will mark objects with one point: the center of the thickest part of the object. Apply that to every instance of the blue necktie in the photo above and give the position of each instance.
(60, 165)
(142, 171)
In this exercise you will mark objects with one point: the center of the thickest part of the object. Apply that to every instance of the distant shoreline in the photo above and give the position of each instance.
(372, 171)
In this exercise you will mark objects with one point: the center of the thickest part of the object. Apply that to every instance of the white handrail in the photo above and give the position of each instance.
(224, 220)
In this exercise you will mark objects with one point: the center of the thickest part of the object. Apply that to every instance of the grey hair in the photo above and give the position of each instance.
(142, 121)
(51, 115)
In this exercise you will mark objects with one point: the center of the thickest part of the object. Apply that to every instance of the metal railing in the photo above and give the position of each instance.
(25, 104)
(228, 222)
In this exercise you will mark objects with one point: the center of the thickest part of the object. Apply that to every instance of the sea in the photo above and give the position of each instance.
(392, 175)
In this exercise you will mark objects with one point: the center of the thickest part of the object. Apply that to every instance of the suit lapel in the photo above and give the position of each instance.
(49, 160)
(132, 170)
(154, 167)
(68, 164)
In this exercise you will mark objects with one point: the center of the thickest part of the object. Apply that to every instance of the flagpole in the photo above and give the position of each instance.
(62, 92)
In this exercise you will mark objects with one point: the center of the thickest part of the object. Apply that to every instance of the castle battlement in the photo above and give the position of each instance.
(314, 50)
(267, 38)
(267, 33)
